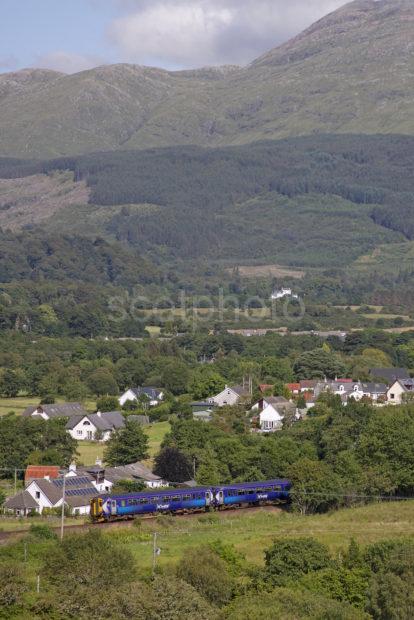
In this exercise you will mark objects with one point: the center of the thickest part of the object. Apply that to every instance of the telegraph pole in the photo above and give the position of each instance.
(62, 520)
(154, 553)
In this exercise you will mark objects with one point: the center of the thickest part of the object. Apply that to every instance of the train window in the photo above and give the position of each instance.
(143, 500)
(176, 498)
(251, 492)
(166, 499)
(123, 503)
(260, 490)
(241, 492)
(268, 490)
(277, 487)
(186, 498)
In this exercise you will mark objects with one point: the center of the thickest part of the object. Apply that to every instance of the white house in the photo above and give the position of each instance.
(95, 425)
(152, 395)
(270, 419)
(229, 396)
(399, 391)
(284, 292)
(352, 389)
(61, 410)
(79, 491)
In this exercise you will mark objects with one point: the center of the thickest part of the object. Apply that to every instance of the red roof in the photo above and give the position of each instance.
(264, 386)
(293, 387)
(343, 381)
(41, 471)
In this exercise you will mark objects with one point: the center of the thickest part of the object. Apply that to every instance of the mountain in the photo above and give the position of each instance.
(351, 72)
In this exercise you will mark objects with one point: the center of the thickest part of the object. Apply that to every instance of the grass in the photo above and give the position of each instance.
(89, 451)
(18, 404)
(252, 533)
(156, 433)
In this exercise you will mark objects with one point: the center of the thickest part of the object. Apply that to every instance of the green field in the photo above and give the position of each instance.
(20, 403)
(253, 532)
(89, 451)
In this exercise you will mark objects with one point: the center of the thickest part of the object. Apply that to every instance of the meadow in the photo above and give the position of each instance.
(252, 531)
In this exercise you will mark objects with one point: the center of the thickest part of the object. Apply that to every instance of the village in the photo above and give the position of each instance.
(49, 489)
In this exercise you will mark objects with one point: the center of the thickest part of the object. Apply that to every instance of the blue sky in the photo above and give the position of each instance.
(72, 35)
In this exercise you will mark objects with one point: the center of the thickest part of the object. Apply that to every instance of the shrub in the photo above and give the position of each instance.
(288, 559)
(207, 573)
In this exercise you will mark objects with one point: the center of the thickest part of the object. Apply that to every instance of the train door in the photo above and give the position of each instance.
(113, 507)
(220, 497)
(209, 498)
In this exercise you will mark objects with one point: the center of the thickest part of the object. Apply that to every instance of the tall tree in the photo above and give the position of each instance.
(127, 445)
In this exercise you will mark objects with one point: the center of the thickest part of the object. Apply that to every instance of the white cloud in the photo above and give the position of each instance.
(67, 62)
(192, 33)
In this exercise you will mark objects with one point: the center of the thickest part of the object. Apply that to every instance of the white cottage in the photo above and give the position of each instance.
(229, 396)
(95, 426)
(270, 419)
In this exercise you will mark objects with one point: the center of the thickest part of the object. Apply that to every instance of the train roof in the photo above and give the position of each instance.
(186, 491)
(243, 485)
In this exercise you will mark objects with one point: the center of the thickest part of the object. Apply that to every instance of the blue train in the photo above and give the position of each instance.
(112, 507)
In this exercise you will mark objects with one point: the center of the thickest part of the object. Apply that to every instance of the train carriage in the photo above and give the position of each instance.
(252, 493)
(129, 505)
(108, 507)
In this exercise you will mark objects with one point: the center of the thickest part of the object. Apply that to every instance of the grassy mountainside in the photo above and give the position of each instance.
(350, 72)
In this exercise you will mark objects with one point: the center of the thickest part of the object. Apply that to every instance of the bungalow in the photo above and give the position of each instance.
(152, 395)
(95, 426)
(79, 490)
(270, 419)
(21, 504)
(48, 412)
(134, 472)
(230, 396)
(400, 391)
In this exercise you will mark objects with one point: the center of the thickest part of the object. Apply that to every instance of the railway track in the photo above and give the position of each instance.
(17, 534)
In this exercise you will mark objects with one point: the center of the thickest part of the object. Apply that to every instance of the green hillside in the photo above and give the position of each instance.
(350, 72)
(316, 201)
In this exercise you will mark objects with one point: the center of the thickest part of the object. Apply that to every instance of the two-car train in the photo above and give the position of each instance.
(217, 497)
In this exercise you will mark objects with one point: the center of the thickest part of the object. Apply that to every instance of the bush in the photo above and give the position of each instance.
(207, 573)
(42, 531)
(291, 559)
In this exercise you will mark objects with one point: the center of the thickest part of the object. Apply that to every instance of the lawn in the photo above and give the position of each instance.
(89, 451)
(253, 533)
(156, 433)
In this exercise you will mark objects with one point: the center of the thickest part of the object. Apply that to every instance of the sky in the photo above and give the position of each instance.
(74, 35)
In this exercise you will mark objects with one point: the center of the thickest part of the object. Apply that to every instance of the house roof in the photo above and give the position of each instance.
(75, 501)
(152, 392)
(21, 501)
(374, 388)
(133, 471)
(107, 421)
(41, 471)
(61, 410)
(265, 386)
(389, 374)
(308, 384)
(293, 386)
(141, 419)
(240, 390)
(74, 486)
(276, 400)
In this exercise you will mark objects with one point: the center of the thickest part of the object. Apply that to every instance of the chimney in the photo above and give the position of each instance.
(98, 462)
(72, 467)
(99, 414)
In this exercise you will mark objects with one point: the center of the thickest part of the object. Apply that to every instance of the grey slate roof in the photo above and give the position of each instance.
(153, 393)
(21, 501)
(240, 390)
(134, 471)
(389, 374)
(106, 421)
(62, 410)
(141, 419)
(80, 486)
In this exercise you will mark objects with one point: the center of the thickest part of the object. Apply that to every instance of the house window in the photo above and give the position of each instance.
(86, 423)
(79, 432)
(392, 395)
(37, 494)
(89, 434)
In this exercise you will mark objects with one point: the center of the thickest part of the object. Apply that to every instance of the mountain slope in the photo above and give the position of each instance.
(350, 72)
